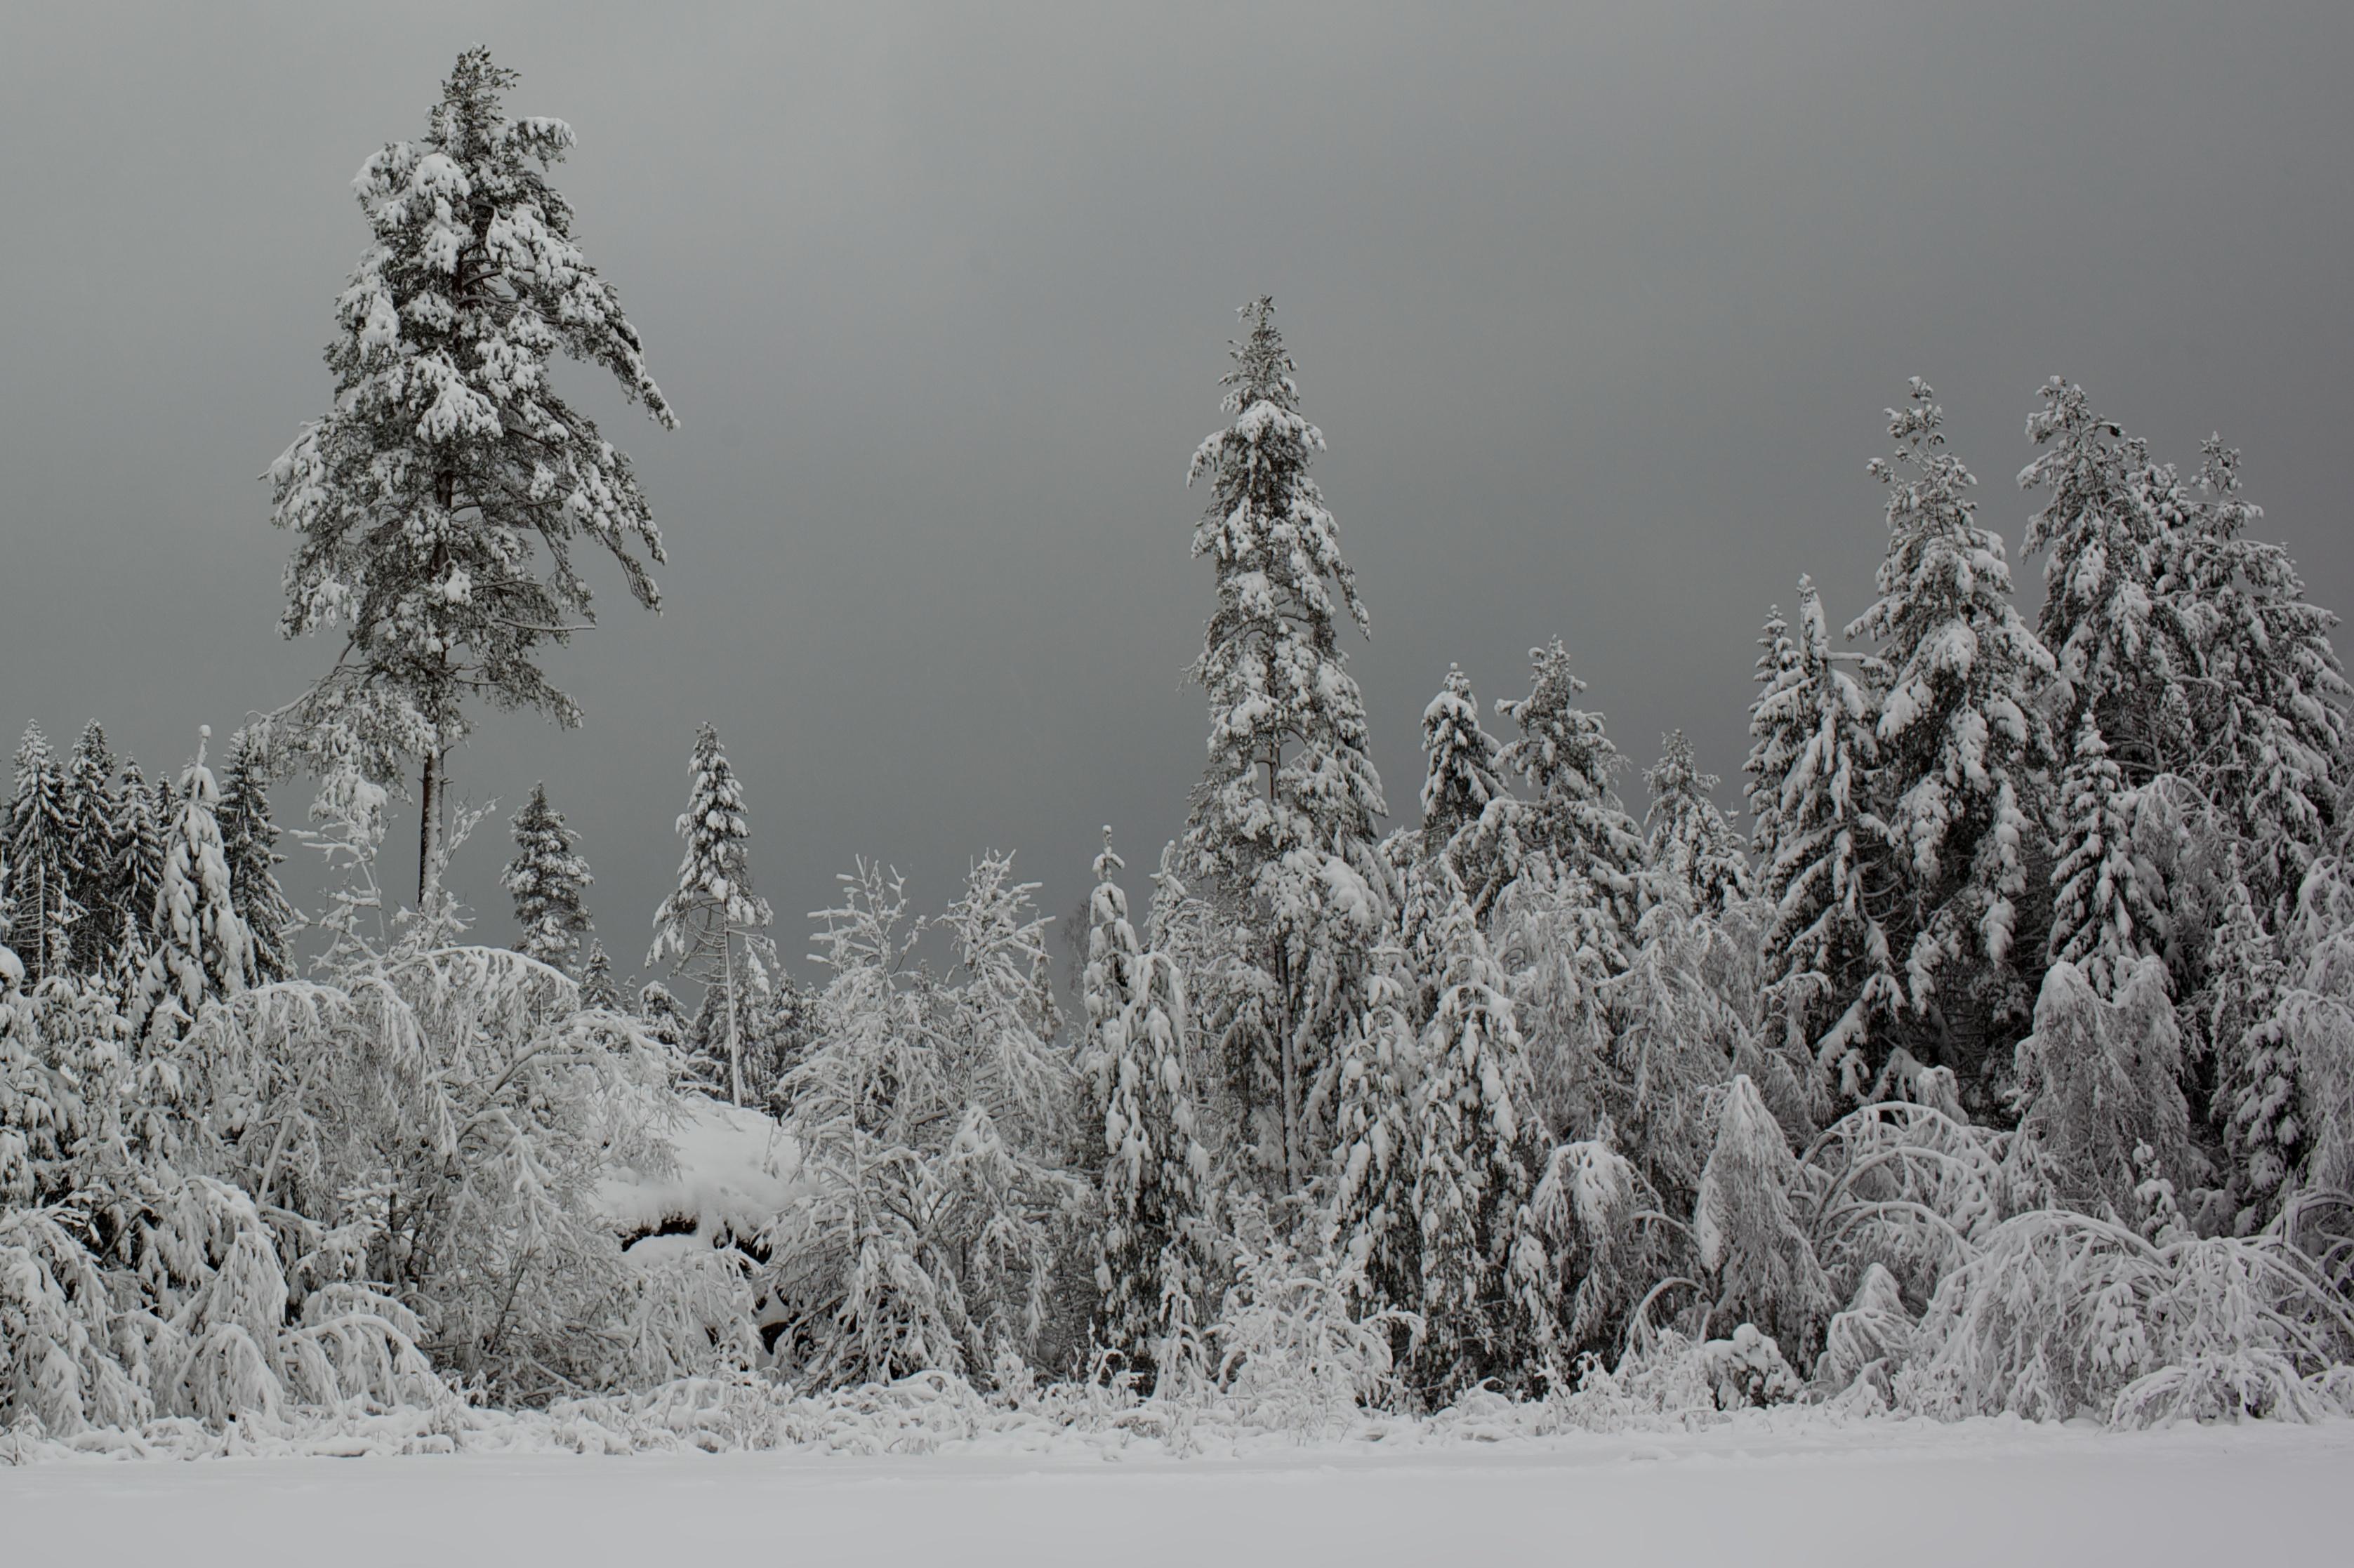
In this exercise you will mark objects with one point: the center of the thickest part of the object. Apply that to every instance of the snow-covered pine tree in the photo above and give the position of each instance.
(41, 835)
(1690, 845)
(92, 806)
(2102, 917)
(1377, 1145)
(144, 812)
(249, 844)
(447, 452)
(700, 922)
(1771, 745)
(1745, 1221)
(1962, 747)
(1149, 1269)
(1477, 1157)
(1459, 773)
(598, 987)
(547, 877)
(2270, 707)
(1282, 823)
(2255, 1104)
(1831, 982)
(200, 948)
(2119, 655)
(1572, 812)
(2100, 1080)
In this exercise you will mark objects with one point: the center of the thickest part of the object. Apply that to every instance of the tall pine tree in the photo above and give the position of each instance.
(1480, 1151)
(1282, 822)
(137, 869)
(1831, 978)
(1962, 747)
(1573, 811)
(700, 924)
(1150, 1270)
(1460, 775)
(200, 950)
(2118, 653)
(448, 466)
(1690, 846)
(2271, 706)
(546, 878)
(2102, 918)
(42, 835)
(92, 805)
(250, 845)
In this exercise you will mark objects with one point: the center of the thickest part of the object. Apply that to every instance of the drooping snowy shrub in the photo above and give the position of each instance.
(934, 1117)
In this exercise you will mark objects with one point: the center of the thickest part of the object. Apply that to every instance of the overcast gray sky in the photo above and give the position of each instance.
(1598, 309)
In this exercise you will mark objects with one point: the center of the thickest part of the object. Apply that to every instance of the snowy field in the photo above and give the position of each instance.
(1890, 1492)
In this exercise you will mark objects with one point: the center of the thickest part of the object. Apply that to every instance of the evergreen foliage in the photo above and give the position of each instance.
(1459, 778)
(1691, 849)
(1150, 1264)
(2102, 919)
(250, 848)
(699, 924)
(448, 465)
(546, 878)
(598, 987)
(1831, 980)
(1282, 822)
(92, 806)
(1487, 1296)
(2114, 637)
(1571, 813)
(200, 947)
(1962, 747)
(41, 837)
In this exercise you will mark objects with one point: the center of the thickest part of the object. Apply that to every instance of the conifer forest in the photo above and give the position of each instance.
(1974, 1055)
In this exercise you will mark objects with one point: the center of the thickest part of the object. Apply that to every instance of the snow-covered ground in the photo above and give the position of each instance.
(1909, 1493)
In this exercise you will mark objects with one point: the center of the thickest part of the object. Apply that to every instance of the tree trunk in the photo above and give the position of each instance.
(735, 1048)
(1290, 1056)
(428, 833)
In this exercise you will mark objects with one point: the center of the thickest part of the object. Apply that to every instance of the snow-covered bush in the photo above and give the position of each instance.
(933, 1116)
(1293, 1350)
(2063, 1314)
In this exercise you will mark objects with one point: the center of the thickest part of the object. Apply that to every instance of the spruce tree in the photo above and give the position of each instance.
(1962, 747)
(1149, 1268)
(92, 806)
(2099, 1080)
(1282, 823)
(2102, 917)
(142, 813)
(1772, 746)
(598, 987)
(1479, 1153)
(2255, 1104)
(698, 928)
(547, 877)
(249, 844)
(2271, 706)
(1460, 759)
(2118, 653)
(447, 465)
(1377, 1144)
(1573, 810)
(41, 835)
(199, 947)
(1831, 981)
(1690, 846)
